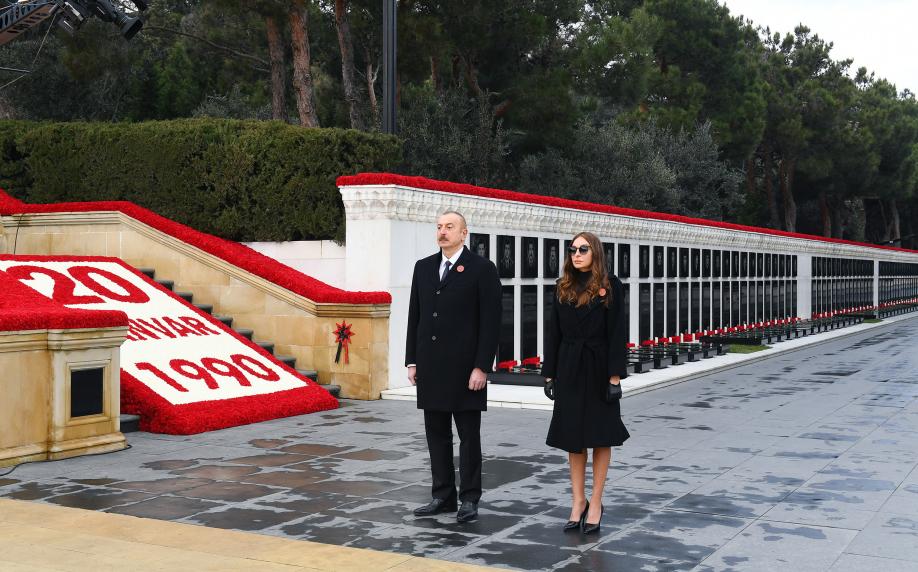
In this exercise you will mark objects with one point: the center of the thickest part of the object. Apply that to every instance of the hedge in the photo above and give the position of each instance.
(241, 180)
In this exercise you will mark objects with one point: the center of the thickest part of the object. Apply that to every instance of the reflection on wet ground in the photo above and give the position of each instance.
(806, 459)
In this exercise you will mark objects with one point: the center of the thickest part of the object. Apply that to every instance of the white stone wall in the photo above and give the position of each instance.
(321, 259)
(389, 227)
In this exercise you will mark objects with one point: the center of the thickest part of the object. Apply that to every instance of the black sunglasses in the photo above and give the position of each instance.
(583, 248)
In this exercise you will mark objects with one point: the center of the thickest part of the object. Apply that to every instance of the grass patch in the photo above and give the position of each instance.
(872, 320)
(745, 349)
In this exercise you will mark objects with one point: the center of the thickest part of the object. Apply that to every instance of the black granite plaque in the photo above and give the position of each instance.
(624, 260)
(782, 264)
(734, 301)
(530, 262)
(659, 324)
(775, 300)
(734, 267)
(672, 297)
(608, 256)
(529, 322)
(672, 262)
(715, 305)
(782, 300)
(87, 392)
(757, 293)
(626, 302)
(744, 302)
(480, 244)
(767, 266)
(683, 262)
(705, 263)
(725, 266)
(506, 256)
(683, 307)
(695, 310)
(658, 262)
(505, 350)
(767, 298)
(792, 287)
(644, 261)
(715, 264)
(725, 304)
(548, 300)
(794, 266)
(551, 263)
(744, 265)
(705, 305)
(696, 263)
(644, 312)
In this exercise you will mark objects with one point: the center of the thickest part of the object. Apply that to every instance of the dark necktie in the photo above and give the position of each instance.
(445, 271)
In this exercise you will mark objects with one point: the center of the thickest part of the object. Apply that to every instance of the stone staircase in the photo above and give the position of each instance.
(130, 423)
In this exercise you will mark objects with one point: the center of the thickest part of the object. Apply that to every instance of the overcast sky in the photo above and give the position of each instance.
(881, 35)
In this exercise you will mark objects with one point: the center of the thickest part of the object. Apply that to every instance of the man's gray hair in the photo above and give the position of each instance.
(458, 214)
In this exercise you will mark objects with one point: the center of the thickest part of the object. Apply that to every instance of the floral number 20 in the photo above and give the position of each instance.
(210, 367)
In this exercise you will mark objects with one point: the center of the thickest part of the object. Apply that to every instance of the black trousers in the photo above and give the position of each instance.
(438, 426)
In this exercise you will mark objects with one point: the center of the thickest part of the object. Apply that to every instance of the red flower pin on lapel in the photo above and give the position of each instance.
(460, 268)
(602, 291)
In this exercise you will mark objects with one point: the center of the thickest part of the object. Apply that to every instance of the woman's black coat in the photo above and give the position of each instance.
(584, 347)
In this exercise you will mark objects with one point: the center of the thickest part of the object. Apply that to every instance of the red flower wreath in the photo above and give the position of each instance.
(343, 336)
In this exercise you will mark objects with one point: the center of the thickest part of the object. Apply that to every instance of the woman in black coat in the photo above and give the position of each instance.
(584, 364)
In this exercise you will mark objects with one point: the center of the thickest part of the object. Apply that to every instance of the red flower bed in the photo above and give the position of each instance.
(232, 252)
(472, 190)
(22, 308)
(26, 309)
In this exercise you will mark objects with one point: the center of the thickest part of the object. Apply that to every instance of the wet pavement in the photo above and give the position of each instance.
(806, 460)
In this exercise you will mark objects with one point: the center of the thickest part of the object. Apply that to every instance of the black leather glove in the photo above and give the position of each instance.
(613, 392)
(550, 389)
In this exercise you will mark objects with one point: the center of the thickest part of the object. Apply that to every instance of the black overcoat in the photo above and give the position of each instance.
(453, 328)
(584, 347)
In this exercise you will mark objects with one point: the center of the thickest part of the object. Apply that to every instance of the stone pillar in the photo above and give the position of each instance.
(805, 285)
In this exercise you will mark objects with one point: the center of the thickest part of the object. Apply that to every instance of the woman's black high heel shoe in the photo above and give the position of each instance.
(589, 528)
(575, 524)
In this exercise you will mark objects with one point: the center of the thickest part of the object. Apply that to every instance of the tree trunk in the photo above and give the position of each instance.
(769, 189)
(824, 214)
(786, 176)
(278, 73)
(750, 176)
(838, 219)
(346, 44)
(434, 75)
(894, 229)
(371, 86)
(471, 77)
(302, 75)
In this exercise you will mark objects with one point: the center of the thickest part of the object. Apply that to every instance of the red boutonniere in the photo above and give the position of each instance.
(460, 268)
(343, 335)
(602, 291)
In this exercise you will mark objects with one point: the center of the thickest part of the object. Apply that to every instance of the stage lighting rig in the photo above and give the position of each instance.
(23, 15)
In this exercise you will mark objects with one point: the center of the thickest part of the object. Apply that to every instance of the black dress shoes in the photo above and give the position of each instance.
(436, 506)
(575, 524)
(590, 528)
(468, 511)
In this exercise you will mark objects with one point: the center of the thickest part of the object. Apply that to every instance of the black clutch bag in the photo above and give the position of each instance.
(612, 393)
(550, 389)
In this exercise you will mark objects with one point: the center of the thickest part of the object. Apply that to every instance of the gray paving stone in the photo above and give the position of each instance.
(768, 546)
(806, 461)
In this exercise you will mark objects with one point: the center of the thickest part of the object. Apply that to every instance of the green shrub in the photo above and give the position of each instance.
(242, 180)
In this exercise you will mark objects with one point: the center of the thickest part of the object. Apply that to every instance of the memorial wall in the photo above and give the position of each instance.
(681, 275)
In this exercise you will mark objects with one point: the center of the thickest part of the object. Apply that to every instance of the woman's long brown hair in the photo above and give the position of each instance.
(567, 286)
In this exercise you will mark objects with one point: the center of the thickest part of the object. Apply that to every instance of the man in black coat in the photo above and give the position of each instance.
(453, 324)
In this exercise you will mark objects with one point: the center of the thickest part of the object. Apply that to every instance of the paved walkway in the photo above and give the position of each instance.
(805, 461)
